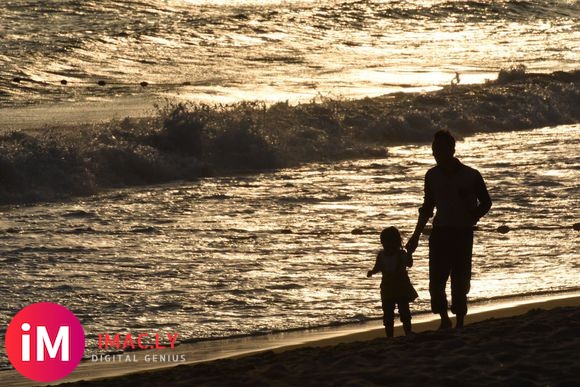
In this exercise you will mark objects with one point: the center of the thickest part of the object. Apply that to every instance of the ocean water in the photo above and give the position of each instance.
(243, 255)
(223, 51)
(231, 256)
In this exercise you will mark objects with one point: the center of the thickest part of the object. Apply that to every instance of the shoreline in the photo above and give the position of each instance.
(186, 141)
(209, 351)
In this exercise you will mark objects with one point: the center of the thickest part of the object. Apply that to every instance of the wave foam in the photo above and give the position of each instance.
(186, 141)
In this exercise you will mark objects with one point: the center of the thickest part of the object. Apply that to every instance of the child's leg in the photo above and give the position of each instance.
(405, 315)
(388, 316)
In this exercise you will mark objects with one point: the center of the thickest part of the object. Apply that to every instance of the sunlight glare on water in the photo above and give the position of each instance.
(225, 51)
(290, 249)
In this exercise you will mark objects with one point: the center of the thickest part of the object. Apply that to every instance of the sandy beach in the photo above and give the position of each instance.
(529, 344)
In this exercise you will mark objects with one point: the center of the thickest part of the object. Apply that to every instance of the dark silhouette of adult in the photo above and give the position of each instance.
(461, 198)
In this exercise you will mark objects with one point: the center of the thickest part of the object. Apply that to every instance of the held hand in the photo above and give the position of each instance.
(369, 273)
(411, 246)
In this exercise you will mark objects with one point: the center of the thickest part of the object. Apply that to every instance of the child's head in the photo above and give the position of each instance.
(391, 238)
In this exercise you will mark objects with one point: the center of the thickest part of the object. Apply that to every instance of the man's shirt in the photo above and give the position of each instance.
(460, 196)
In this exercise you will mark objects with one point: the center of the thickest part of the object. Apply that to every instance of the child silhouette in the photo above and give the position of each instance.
(396, 288)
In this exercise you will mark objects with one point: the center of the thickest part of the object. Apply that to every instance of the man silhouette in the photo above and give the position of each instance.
(461, 198)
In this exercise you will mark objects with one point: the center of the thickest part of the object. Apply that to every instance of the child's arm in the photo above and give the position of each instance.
(408, 258)
(375, 269)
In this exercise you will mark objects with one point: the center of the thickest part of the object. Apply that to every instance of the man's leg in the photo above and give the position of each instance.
(461, 274)
(439, 270)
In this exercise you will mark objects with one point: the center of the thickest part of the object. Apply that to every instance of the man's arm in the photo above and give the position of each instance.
(425, 212)
(483, 198)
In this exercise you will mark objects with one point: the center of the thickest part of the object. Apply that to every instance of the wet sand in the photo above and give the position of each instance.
(74, 114)
(538, 347)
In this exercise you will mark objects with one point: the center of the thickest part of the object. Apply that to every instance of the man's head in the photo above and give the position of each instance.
(443, 147)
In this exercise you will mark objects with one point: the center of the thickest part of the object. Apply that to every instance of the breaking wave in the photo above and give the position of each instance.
(188, 141)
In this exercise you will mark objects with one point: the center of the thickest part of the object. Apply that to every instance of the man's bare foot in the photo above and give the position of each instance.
(445, 323)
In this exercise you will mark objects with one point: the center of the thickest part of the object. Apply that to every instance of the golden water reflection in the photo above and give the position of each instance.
(236, 255)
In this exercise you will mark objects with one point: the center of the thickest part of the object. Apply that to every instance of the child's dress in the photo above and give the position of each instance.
(395, 284)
